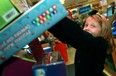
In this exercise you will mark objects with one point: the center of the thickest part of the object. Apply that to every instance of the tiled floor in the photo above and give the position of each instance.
(70, 70)
(70, 63)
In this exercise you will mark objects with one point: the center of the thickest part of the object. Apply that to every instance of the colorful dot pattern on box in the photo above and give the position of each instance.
(45, 16)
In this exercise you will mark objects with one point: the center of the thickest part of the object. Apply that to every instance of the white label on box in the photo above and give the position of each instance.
(10, 15)
(40, 72)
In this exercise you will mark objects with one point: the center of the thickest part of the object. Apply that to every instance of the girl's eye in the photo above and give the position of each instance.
(86, 25)
(93, 26)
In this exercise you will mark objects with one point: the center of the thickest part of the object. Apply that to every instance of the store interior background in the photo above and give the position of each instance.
(71, 5)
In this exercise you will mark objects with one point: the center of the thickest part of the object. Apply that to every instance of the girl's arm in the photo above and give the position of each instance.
(70, 32)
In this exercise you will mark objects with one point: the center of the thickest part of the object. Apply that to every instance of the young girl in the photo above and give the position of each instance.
(91, 42)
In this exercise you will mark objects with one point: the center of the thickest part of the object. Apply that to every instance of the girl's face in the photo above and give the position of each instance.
(92, 26)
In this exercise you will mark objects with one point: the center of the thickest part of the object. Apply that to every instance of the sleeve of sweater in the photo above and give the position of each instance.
(71, 33)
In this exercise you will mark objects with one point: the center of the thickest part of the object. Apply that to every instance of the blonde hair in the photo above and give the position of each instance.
(106, 30)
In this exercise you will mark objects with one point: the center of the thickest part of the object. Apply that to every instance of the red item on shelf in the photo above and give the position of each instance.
(61, 47)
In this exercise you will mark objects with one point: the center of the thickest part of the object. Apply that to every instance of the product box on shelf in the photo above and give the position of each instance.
(7, 13)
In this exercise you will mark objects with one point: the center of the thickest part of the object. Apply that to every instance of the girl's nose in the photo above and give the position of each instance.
(86, 28)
